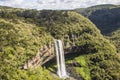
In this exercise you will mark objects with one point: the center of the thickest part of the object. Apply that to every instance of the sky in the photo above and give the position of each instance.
(55, 4)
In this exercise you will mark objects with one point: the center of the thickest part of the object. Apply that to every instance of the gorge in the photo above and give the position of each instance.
(27, 37)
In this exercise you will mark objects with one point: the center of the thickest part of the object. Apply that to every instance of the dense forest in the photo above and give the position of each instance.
(107, 19)
(24, 31)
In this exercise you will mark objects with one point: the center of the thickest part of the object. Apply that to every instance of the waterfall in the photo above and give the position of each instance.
(60, 59)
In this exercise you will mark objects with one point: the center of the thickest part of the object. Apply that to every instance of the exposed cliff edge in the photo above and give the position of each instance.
(44, 54)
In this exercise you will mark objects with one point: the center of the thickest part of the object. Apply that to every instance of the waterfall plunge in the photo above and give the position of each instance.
(60, 59)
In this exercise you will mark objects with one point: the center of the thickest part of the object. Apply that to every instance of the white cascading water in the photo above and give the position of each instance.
(60, 59)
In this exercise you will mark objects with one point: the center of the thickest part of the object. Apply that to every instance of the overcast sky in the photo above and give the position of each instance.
(55, 4)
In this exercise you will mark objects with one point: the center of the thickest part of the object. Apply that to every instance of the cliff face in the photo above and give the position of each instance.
(45, 53)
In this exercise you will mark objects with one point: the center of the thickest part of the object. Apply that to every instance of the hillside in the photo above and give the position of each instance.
(23, 32)
(115, 39)
(88, 11)
(106, 18)
(19, 42)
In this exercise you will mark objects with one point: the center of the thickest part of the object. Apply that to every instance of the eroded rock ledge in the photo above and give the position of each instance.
(45, 53)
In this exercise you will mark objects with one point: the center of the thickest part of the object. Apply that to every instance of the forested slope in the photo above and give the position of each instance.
(107, 19)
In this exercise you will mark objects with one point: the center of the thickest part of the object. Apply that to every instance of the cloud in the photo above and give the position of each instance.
(10, 2)
(46, 2)
(5, 0)
(71, 4)
(55, 4)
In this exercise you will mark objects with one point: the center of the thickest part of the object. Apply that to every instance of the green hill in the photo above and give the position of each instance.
(19, 42)
(106, 18)
(23, 32)
(87, 12)
(115, 39)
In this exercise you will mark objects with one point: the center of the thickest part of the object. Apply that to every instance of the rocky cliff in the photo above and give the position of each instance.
(44, 54)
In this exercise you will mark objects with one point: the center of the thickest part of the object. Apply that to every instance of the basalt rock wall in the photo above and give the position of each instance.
(45, 53)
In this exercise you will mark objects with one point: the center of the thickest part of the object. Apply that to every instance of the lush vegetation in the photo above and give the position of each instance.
(107, 19)
(115, 39)
(23, 32)
(99, 66)
(72, 28)
(19, 42)
(104, 66)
